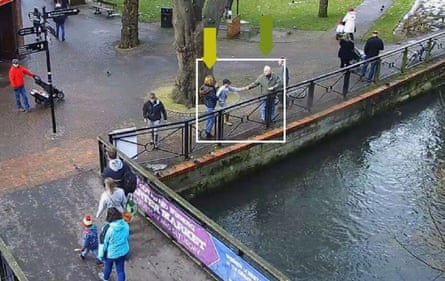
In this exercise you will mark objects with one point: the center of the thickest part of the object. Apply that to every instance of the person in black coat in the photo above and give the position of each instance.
(60, 22)
(153, 110)
(373, 47)
(346, 52)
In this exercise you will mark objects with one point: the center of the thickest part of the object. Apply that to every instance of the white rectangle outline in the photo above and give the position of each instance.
(238, 141)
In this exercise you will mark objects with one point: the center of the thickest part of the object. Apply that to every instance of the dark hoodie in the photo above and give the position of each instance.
(115, 170)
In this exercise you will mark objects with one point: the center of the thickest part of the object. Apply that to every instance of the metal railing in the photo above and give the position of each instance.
(261, 269)
(183, 139)
(9, 268)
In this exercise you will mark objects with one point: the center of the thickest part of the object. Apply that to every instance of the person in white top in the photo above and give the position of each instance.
(349, 21)
(112, 196)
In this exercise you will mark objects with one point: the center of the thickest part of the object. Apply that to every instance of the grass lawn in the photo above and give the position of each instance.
(285, 13)
(391, 19)
(302, 14)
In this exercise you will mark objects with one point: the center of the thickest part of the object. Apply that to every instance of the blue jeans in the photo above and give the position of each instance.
(371, 70)
(21, 92)
(264, 108)
(62, 27)
(85, 252)
(120, 268)
(210, 120)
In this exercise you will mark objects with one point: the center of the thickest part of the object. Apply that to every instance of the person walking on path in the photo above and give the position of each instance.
(208, 91)
(349, 21)
(60, 22)
(372, 49)
(345, 52)
(116, 246)
(153, 110)
(90, 241)
(222, 95)
(270, 81)
(17, 81)
(112, 196)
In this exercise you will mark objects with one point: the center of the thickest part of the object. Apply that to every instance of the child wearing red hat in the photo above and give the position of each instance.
(90, 240)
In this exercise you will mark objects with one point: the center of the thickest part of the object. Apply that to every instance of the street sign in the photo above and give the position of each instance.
(26, 31)
(32, 48)
(62, 12)
(51, 29)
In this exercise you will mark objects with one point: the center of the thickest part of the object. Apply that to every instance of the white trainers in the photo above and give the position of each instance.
(101, 276)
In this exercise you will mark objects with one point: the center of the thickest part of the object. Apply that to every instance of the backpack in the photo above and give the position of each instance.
(91, 240)
(128, 180)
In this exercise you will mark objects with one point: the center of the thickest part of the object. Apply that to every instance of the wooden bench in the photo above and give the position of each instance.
(104, 6)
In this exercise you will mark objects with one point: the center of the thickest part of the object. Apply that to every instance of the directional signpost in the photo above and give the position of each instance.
(62, 12)
(41, 25)
(26, 31)
(32, 48)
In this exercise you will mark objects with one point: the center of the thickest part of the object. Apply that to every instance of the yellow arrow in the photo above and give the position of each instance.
(209, 46)
(266, 45)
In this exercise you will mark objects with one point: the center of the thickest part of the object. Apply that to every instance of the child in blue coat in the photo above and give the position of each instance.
(90, 240)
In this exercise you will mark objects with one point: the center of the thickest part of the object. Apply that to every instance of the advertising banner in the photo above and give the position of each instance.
(196, 239)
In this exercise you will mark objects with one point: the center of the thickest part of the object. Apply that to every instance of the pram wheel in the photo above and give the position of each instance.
(38, 101)
(60, 95)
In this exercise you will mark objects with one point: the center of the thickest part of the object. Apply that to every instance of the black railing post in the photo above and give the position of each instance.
(310, 96)
(346, 78)
(378, 62)
(269, 104)
(186, 140)
(404, 60)
(220, 125)
(429, 48)
(102, 160)
(111, 138)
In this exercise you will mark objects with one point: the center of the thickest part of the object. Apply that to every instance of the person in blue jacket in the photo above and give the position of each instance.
(208, 91)
(116, 246)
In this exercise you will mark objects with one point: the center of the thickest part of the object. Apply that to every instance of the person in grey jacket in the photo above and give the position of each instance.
(269, 81)
(153, 110)
(112, 196)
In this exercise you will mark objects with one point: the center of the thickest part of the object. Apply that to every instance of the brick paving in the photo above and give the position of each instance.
(55, 163)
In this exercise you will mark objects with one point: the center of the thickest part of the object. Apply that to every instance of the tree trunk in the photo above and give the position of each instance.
(323, 9)
(189, 19)
(130, 28)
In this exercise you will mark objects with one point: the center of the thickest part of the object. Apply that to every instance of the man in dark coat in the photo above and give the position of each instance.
(346, 52)
(60, 22)
(153, 110)
(373, 47)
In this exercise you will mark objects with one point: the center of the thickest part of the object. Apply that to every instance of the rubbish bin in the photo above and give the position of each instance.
(166, 17)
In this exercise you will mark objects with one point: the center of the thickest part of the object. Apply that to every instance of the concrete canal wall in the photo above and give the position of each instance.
(192, 177)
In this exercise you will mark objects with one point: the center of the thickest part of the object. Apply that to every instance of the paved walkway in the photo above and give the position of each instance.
(49, 182)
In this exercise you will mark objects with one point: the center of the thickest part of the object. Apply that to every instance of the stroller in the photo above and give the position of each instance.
(358, 55)
(42, 96)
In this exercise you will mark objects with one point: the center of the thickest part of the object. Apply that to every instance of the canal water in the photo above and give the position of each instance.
(367, 204)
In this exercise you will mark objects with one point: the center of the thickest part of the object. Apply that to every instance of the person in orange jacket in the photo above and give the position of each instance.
(17, 81)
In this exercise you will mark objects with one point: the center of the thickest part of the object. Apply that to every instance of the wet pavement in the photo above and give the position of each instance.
(50, 181)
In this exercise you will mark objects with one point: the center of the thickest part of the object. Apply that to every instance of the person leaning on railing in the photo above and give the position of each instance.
(270, 81)
(372, 49)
